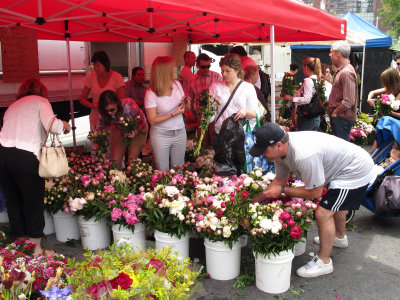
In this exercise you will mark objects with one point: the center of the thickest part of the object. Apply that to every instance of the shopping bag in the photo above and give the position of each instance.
(251, 161)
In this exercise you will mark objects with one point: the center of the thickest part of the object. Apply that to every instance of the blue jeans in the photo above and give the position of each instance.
(304, 124)
(341, 127)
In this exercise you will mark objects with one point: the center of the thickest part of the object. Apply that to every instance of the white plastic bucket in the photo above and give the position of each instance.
(300, 247)
(48, 224)
(4, 217)
(222, 262)
(137, 237)
(94, 234)
(180, 245)
(273, 274)
(65, 226)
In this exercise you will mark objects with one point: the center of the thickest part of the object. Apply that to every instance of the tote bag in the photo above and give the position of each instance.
(53, 160)
(251, 161)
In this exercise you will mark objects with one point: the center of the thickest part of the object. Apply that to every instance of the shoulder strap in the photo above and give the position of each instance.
(48, 129)
(229, 100)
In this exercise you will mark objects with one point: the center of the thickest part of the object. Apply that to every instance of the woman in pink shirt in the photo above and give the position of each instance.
(24, 132)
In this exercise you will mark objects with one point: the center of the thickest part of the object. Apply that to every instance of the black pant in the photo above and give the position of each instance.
(23, 190)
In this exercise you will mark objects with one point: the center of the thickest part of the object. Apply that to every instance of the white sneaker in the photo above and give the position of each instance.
(315, 268)
(339, 243)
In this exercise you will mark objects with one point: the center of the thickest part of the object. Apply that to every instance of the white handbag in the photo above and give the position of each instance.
(53, 160)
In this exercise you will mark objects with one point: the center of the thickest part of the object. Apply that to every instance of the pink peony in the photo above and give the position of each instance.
(296, 232)
(116, 214)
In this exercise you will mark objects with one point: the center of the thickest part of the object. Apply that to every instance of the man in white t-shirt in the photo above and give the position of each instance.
(319, 160)
(186, 74)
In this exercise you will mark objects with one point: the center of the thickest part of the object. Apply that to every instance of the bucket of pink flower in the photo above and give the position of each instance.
(166, 212)
(220, 207)
(87, 200)
(125, 209)
(275, 229)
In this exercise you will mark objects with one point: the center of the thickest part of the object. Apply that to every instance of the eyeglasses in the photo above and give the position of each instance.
(111, 110)
(398, 63)
(205, 67)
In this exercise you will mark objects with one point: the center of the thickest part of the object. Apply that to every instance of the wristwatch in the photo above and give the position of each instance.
(283, 194)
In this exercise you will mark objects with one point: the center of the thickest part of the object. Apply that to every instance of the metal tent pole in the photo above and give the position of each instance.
(71, 101)
(362, 76)
(272, 45)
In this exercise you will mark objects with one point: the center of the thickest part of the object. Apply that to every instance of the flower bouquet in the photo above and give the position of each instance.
(360, 132)
(122, 273)
(288, 87)
(100, 139)
(384, 106)
(287, 124)
(208, 107)
(129, 126)
(55, 194)
(278, 226)
(321, 90)
(167, 210)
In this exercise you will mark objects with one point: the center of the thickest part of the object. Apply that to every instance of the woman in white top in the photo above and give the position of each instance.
(24, 132)
(165, 104)
(102, 79)
(312, 71)
(244, 103)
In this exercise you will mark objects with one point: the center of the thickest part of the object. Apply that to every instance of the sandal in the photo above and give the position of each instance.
(45, 252)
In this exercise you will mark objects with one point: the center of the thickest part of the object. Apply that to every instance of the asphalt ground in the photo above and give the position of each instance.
(368, 269)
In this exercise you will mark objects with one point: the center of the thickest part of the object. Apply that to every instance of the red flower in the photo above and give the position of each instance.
(285, 215)
(98, 289)
(156, 264)
(219, 213)
(123, 280)
(207, 275)
(296, 232)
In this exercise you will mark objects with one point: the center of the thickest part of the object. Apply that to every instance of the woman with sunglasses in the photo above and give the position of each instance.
(102, 79)
(111, 109)
(165, 104)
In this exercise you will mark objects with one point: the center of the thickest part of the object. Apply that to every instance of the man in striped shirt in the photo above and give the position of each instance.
(319, 160)
(342, 104)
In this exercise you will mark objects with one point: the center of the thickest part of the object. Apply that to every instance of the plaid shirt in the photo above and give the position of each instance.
(199, 84)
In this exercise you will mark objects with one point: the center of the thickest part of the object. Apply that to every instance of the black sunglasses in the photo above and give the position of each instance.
(398, 64)
(205, 67)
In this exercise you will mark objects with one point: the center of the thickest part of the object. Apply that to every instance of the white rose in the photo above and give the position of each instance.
(171, 191)
(266, 224)
(247, 181)
(226, 231)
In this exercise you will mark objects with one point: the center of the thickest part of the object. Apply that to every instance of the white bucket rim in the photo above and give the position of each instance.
(221, 246)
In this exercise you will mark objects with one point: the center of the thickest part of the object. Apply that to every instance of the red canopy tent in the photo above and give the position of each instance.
(214, 21)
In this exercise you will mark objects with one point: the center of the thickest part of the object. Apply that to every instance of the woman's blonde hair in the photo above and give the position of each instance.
(390, 79)
(161, 77)
(32, 86)
(314, 64)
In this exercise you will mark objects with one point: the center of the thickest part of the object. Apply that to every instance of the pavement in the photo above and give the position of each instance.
(368, 269)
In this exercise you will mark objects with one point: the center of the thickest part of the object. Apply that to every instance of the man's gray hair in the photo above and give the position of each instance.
(343, 47)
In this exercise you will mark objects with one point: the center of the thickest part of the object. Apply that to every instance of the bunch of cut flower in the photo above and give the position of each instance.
(89, 182)
(125, 210)
(138, 175)
(55, 194)
(360, 132)
(166, 209)
(384, 106)
(129, 126)
(278, 226)
(208, 107)
(288, 87)
(255, 182)
(123, 273)
(287, 124)
(320, 90)
(100, 139)
(21, 274)
(219, 217)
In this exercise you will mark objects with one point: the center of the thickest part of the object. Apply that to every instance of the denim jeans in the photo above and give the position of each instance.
(341, 127)
(304, 124)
